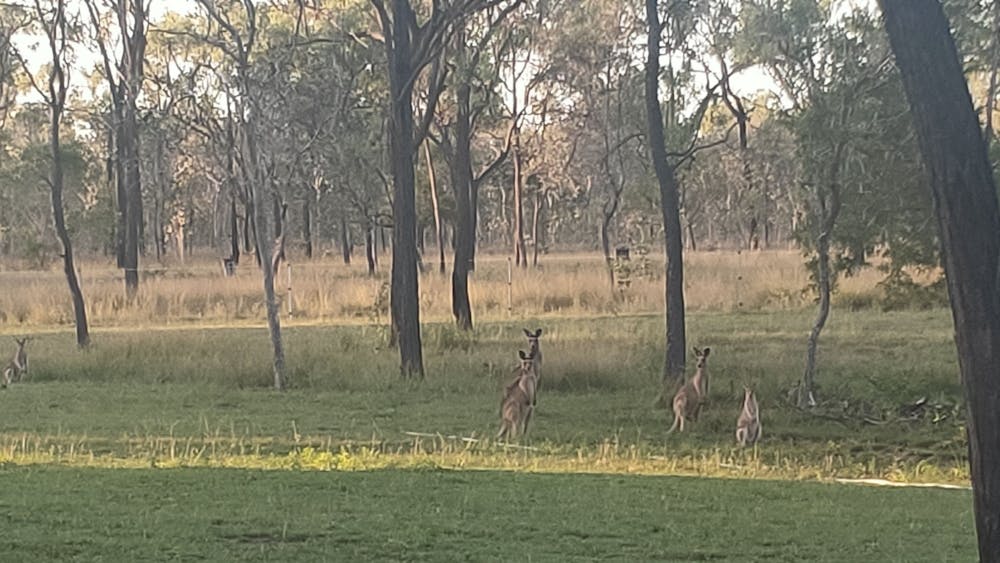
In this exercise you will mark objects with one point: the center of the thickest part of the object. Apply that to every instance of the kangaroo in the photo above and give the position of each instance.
(18, 366)
(535, 350)
(689, 398)
(748, 427)
(519, 399)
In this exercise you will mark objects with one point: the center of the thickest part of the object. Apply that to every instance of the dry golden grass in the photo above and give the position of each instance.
(571, 284)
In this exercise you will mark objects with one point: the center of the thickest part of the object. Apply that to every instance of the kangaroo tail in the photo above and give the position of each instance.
(677, 421)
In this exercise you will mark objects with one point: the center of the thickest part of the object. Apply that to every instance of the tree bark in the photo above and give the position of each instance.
(534, 228)
(371, 253)
(56, 32)
(133, 191)
(307, 237)
(968, 215)
(669, 204)
(438, 227)
(234, 232)
(404, 298)
(345, 241)
(465, 225)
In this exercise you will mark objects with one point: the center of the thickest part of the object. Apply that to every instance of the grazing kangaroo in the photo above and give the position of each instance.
(18, 366)
(534, 350)
(519, 399)
(748, 424)
(689, 398)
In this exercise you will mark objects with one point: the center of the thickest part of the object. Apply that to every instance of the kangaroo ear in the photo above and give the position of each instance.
(527, 332)
(706, 351)
(538, 333)
(696, 351)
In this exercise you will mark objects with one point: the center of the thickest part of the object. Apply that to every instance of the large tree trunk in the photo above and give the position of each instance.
(965, 202)
(133, 206)
(669, 204)
(405, 298)
(465, 225)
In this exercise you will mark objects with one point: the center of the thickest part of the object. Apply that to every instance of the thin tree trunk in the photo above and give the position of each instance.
(534, 228)
(438, 227)
(265, 235)
(234, 232)
(518, 194)
(965, 202)
(117, 175)
(370, 251)
(345, 241)
(669, 203)
(827, 212)
(307, 237)
(56, 31)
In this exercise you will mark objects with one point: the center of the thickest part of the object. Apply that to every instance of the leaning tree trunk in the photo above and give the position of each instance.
(669, 203)
(59, 218)
(965, 202)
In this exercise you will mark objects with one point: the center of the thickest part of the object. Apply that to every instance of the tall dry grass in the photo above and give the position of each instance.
(573, 284)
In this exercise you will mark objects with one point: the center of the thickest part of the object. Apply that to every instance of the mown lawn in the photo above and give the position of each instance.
(62, 514)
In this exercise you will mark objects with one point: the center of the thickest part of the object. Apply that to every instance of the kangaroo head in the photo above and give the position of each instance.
(532, 336)
(526, 360)
(702, 356)
(21, 342)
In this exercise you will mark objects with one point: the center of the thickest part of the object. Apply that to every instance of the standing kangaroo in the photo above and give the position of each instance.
(689, 398)
(534, 350)
(18, 366)
(748, 424)
(519, 399)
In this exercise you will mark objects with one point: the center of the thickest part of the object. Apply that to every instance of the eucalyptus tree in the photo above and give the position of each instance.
(968, 216)
(835, 71)
(414, 42)
(124, 76)
(55, 26)
(476, 79)
(233, 28)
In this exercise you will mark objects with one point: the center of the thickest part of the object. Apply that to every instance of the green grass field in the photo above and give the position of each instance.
(61, 514)
(167, 443)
